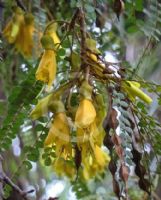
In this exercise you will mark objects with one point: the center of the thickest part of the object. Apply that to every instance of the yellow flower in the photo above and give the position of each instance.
(55, 38)
(83, 136)
(132, 90)
(12, 29)
(92, 56)
(46, 71)
(69, 170)
(101, 157)
(91, 168)
(97, 133)
(63, 150)
(41, 108)
(88, 171)
(85, 114)
(63, 167)
(24, 41)
(59, 166)
(59, 130)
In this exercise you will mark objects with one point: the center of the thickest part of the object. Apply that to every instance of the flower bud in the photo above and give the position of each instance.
(132, 90)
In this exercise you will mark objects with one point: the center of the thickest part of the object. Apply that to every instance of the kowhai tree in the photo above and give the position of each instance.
(78, 100)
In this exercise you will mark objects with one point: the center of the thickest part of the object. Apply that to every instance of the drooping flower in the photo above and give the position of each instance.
(59, 130)
(24, 41)
(101, 157)
(46, 71)
(94, 163)
(12, 29)
(94, 159)
(59, 136)
(97, 133)
(47, 67)
(63, 167)
(89, 134)
(59, 133)
(132, 90)
(85, 114)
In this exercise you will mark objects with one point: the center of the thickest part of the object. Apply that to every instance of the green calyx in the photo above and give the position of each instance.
(86, 90)
(17, 10)
(56, 106)
(29, 18)
(47, 42)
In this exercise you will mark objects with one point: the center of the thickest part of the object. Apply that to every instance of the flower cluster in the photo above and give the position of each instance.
(76, 134)
(19, 31)
(88, 139)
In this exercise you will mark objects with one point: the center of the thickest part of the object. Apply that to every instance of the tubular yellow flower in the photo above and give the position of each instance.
(97, 133)
(63, 167)
(83, 136)
(132, 90)
(69, 170)
(46, 71)
(91, 167)
(12, 29)
(59, 130)
(55, 38)
(101, 157)
(59, 166)
(41, 108)
(85, 114)
(88, 171)
(24, 41)
(63, 150)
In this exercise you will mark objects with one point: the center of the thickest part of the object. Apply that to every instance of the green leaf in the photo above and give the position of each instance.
(39, 144)
(132, 29)
(159, 101)
(61, 52)
(139, 5)
(7, 190)
(47, 161)
(32, 157)
(39, 127)
(66, 44)
(27, 164)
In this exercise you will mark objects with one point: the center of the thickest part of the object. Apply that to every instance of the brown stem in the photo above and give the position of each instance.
(5, 179)
(83, 36)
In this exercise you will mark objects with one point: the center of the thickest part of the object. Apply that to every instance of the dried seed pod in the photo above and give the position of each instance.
(118, 7)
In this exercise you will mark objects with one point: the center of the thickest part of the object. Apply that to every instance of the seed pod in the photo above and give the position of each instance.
(118, 7)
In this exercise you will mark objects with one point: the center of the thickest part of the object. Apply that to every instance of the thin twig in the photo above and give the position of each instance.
(141, 58)
(148, 44)
(5, 179)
